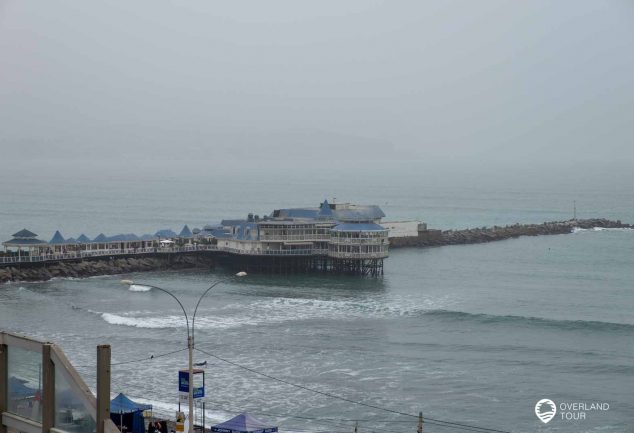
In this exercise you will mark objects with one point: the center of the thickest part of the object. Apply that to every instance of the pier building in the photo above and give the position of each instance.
(341, 237)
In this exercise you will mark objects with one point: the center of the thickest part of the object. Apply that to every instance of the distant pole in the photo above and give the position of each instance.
(420, 423)
(574, 210)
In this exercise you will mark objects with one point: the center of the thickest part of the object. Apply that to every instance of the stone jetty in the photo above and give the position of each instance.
(103, 266)
(430, 238)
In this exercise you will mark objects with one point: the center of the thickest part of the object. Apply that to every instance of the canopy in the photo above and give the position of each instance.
(186, 232)
(244, 423)
(57, 238)
(18, 389)
(165, 233)
(122, 404)
(127, 414)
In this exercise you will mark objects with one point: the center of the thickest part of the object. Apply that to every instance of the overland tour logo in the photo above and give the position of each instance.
(545, 410)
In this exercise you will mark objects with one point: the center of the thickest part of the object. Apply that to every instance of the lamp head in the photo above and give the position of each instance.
(241, 274)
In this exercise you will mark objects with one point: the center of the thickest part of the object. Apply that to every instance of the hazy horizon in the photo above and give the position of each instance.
(441, 83)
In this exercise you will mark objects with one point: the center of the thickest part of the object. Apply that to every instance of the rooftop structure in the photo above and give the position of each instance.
(24, 240)
(340, 232)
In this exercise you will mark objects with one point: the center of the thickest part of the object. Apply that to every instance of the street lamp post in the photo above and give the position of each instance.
(190, 336)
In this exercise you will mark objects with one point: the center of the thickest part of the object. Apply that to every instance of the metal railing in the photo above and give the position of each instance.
(306, 237)
(288, 252)
(359, 241)
(373, 255)
(74, 255)
(78, 255)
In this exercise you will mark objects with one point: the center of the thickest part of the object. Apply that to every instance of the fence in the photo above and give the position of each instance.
(41, 392)
(77, 255)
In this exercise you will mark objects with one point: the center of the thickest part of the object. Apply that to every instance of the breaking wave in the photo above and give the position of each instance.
(491, 319)
(276, 311)
(139, 288)
(602, 229)
(281, 310)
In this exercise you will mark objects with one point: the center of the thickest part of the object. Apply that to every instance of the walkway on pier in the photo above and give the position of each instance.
(78, 255)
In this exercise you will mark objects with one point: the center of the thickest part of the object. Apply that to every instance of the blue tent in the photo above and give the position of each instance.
(101, 238)
(324, 210)
(83, 239)
(57, 238)
(244, 423)
(165, 233)
(18, 389)
(185, 233)
(124, 411)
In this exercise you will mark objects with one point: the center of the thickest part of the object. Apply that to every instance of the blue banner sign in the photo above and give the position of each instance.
(183, 384)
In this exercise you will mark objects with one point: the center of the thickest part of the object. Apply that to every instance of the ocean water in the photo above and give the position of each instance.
(472, 334)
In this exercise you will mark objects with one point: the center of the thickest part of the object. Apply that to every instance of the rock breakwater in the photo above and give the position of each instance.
(102, 266)
(429, 238)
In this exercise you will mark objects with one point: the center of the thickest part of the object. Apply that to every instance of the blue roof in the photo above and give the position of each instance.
(24, 241)
(17, 388)
(83, 239)
(71, 241)
(299, 213)
(166, 233)
(57, 238)
(244, 423)
(186, 232)
(24, 233)
(122, 404)
(100, 238)
(324, 210)
(352, 227)
(219, 233)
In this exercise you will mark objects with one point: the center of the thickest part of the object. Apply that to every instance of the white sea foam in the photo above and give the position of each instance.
(151, 322)
(139, 288)
(602, 229)
(279, 310)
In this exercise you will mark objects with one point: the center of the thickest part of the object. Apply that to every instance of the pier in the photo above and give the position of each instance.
(281, 245)
(338, 238)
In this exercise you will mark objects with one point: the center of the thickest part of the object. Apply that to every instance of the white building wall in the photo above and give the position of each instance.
(402, 229)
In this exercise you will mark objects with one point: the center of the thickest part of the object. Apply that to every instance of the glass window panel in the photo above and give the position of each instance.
(25, 383)
(70, 413)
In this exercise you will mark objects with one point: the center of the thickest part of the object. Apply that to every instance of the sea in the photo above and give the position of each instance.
(474, 335)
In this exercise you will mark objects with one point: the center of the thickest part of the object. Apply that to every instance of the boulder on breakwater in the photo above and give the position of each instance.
(101, 266)
(429, 238)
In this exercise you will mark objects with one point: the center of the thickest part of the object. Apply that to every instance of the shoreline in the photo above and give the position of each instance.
(101, 266)
(106, 265)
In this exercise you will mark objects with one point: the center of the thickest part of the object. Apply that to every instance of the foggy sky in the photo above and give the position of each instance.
(401, 80)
